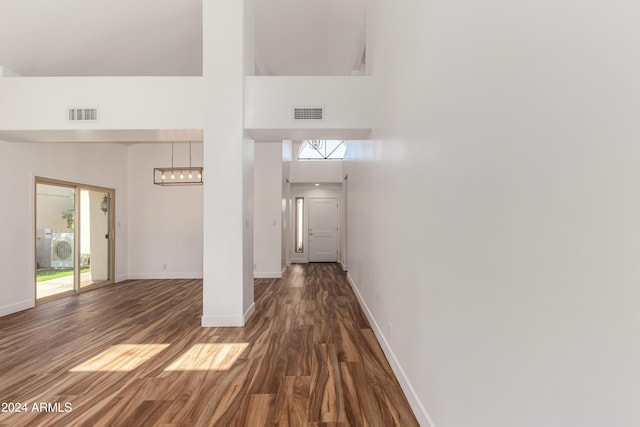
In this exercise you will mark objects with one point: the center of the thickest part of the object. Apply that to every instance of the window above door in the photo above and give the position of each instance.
(322, 149)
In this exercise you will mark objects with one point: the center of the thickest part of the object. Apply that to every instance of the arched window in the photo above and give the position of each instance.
(322, 149)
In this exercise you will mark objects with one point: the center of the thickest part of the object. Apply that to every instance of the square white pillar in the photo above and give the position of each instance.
(228, 164)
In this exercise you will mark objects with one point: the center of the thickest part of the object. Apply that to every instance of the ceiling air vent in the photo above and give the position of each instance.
(83, 114)
(308, 113)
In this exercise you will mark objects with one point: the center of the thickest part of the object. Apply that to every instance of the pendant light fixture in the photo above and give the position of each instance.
(178, 175)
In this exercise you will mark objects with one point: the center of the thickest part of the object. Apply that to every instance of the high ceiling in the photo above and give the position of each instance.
(309, 37)
(101, 37)
(164, 37)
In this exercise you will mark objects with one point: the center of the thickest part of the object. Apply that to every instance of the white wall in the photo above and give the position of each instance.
(7, 72)
(313, 171)
(344, 225)
(98, 164)
(267, 208)
(37, 103)
(165, 223)
(248, 156)
(316, 171)
(286, 203)
(494, 231)
(269, 103)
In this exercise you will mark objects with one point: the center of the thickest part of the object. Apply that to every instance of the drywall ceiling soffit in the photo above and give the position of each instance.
(309, 37)
(123, 136)
(101, 37)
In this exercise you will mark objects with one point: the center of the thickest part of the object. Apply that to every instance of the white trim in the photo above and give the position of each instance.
(149, 276)
(121, 278)
(249, 312)
(14, 308)
(299, 260)
(259, 275)
(228, 321)
(221, 321)
(418, 408)
(283, 270)
(344, 266)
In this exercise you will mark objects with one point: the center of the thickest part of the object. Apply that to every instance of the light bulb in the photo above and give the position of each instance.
(199, 175)
(163, 176)
(173, 176)
(190, 175)
(181, 175)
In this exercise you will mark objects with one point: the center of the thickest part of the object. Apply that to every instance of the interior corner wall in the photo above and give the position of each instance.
(248, 161)
(493, 217)
(95, 164)
(286, 241)
(165, 222)
(267, 174)
(344, 225)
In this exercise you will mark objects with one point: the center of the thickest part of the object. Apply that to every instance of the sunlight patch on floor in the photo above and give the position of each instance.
(121, 358)
(208, 357)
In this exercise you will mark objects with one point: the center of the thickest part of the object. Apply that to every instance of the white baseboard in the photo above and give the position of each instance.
(14, 308)
(264, 275)
(151, 276)
(344, 266)
(121, 278)
(418, 408)
(249, 312)
(221, 321)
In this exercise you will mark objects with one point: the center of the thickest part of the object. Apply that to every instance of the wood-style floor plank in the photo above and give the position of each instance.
(134, 354)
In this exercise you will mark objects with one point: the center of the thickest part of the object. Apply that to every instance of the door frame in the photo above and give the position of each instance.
(337, 231)
(77, 289)
(308, 191)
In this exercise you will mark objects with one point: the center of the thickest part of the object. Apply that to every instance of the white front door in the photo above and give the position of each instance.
(323, 230)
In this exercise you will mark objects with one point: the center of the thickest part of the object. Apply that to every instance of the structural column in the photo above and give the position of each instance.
(228, 164)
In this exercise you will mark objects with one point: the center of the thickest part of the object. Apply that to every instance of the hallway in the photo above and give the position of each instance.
(134, 354)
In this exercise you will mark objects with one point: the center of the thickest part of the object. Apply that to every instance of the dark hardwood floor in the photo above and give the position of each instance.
(134, 354)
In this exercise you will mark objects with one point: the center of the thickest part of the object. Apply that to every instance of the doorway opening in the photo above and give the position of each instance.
(323, 229)
(74, 247)
(315, 234)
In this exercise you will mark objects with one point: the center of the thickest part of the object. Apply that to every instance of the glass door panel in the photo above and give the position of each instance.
(95, 237)
(55, 240)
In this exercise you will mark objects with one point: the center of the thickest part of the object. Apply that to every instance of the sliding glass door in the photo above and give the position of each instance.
(55, 240)
(74, 238)
(95, 237)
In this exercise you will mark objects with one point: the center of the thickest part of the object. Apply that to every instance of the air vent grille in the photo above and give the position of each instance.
(308, 113)
(83, 114)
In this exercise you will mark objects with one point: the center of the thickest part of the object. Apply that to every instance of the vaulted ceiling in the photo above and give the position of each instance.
(101, 37)
(164, 37)
(309, 37)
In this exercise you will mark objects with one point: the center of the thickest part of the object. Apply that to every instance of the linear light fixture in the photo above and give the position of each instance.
(178, 175)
